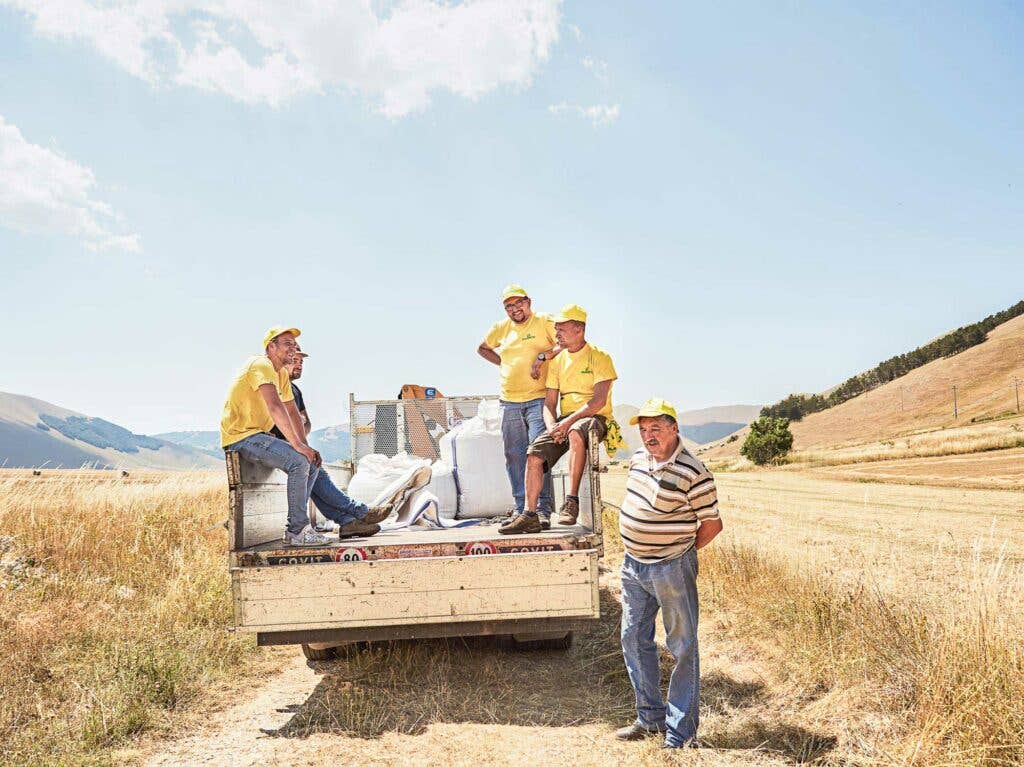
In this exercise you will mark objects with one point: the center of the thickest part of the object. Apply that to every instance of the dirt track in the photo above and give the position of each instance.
(476, 703)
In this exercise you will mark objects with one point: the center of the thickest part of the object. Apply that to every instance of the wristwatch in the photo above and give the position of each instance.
(542, 357)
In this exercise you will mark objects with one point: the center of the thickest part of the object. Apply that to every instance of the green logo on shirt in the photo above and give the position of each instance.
(587, 371)
(529, 337)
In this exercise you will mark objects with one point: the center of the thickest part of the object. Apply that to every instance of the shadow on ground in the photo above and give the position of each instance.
(405, 686)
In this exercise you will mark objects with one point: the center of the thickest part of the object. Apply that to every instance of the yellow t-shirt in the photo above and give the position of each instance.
(518, 346)
(576, 374)
(245, 412)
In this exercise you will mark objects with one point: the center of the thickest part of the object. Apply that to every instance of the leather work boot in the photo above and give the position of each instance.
(524, 523)
(636, 732)
(545, 521)
(358, 529)
(377, 514)
(570, 510)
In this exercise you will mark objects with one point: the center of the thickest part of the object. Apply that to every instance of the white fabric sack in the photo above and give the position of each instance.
(383, 481)
(476, 453)
(442, 485)
(420, 509)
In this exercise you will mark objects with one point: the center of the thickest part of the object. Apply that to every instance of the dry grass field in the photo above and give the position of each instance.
(843, 623)
(113, 602)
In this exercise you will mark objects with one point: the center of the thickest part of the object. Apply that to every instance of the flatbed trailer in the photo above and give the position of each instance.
(411, 582)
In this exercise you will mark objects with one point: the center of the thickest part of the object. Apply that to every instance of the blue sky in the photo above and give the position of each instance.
(748, 201)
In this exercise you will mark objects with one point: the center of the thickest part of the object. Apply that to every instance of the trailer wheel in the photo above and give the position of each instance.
(556, 643)
(313, 653)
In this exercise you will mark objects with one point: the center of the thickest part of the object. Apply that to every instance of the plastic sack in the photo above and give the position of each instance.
(476, 453)
(442, 486)
(378, 477)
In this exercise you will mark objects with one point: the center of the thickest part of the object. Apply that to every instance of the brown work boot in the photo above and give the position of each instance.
(636, 731)
(524, 523)
(377, 514)
(358, 529)
(570, 510)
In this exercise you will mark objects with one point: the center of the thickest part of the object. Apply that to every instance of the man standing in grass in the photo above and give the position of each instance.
(354, 519)
(520, 345)
(670, 510)
(579, 387)
(261, 398)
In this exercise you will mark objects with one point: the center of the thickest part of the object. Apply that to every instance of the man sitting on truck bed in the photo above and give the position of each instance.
(579, 384)
(520, 345)
(261, 398)
(354, 519)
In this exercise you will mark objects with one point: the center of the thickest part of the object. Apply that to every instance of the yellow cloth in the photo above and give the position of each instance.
(518, 346)
(613, 439)
(245, 412)
(576, 374)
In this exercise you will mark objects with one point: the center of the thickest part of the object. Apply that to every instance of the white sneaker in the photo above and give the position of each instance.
(308, 537)
(325, 526)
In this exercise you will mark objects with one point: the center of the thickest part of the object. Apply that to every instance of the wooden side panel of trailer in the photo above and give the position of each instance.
(413, 591)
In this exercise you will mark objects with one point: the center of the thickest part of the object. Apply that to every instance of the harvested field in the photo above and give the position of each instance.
(992, 470)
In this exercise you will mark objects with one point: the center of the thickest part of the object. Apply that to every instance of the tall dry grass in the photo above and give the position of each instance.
(114, 598)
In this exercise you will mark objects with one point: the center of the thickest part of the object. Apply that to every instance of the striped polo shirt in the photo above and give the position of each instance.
(665, 503)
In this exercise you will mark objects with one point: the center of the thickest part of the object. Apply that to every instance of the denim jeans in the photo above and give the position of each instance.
(671, 587)
(521, 424)
(268, 450)
(333, 503)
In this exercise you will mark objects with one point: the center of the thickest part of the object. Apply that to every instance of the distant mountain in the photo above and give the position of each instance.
(36, 433)
(709, 432)
(333, 442)
(741, 414)
(204, 441)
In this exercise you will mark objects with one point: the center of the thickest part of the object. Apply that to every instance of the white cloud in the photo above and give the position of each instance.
(268, 52)
(576, 32)
(41, 191)
(598, 114)
(597, 67)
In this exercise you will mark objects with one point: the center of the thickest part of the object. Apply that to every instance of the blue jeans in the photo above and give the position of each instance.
(333, 503)
(268, 450)
(521, 424)
(671, 587)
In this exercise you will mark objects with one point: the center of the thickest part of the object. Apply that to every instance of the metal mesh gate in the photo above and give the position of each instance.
(413, 426)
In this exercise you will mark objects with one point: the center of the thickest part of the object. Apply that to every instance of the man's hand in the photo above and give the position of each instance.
(560, 432)
(309, 454)
(535, 369)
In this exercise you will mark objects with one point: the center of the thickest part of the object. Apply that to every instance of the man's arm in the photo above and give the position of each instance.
(593, 407)
(488, 354)
(297, 420)
(283, 420)
(707, 531)
(550, 406)
(549, 355)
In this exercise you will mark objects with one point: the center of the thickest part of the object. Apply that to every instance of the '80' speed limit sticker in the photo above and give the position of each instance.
(350, 555)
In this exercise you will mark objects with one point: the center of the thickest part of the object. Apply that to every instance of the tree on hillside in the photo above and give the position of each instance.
(769, 440)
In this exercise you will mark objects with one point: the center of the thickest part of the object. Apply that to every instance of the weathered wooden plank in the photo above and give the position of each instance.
(421, 607)
(352, 579)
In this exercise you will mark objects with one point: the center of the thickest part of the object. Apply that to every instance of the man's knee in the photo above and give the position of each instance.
(576, 440)
(534, 462)
(298, 464)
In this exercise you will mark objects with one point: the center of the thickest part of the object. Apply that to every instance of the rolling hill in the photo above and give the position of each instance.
(923, 399)
(332, 441)
(35, 433)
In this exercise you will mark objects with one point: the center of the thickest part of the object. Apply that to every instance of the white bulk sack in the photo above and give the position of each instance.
(442, 486)
(475, 451)
(378, 476)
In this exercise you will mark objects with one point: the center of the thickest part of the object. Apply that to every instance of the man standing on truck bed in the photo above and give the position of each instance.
(354, 519)
(261, 398)
(520, 345)
(579, 386)
(670, 510)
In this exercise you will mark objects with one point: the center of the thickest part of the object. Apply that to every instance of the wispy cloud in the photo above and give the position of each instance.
(596, 67)
(267, 53)
(598, 114)
(42, 191)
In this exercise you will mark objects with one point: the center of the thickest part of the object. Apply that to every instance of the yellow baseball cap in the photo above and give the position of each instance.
(653, 407)
(571, 312)
(513, 291)
(277, 330)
